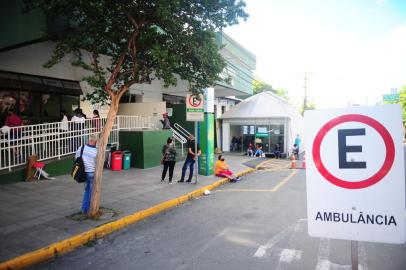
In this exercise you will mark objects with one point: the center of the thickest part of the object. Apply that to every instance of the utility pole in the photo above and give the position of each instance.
(305, 90)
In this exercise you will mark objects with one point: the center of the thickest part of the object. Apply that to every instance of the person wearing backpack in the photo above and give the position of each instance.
(89, 160)
(168, 159)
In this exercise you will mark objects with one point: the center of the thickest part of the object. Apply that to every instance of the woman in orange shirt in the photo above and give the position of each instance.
(221, 170)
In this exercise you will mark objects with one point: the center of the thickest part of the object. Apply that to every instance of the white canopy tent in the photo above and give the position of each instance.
(266, 109)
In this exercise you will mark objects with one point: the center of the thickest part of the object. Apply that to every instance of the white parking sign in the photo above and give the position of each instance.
(355, 174)
(194, 108)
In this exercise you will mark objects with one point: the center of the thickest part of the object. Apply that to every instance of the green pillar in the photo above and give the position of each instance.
(206, 134)
(206, 142)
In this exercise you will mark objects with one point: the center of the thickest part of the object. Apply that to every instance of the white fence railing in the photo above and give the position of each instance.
(54, 140)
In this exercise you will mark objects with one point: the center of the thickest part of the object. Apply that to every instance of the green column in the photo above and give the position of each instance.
(206, 142)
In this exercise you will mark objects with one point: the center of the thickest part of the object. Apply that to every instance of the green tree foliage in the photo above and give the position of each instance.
(282, 93)
(402, 102)
(309, 106)
(260, 86)
(144, 40)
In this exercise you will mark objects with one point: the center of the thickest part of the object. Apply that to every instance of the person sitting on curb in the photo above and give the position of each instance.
(221, 170)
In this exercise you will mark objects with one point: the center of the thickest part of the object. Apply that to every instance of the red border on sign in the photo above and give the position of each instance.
(191, 103)
(390, 151)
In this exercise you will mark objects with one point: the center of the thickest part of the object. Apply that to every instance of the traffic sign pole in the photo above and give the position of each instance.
(196, 156)
(354, 255)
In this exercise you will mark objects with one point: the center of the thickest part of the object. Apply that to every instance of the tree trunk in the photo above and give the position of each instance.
(101, 152)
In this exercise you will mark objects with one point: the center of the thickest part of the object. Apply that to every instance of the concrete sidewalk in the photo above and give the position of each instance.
(34, 214)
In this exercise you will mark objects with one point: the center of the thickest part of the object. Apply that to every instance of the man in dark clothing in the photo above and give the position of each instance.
(190, 159)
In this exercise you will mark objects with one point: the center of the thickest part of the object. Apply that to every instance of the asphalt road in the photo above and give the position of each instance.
(258, 223)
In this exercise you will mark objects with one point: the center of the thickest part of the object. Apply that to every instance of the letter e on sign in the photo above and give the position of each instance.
(355, 173)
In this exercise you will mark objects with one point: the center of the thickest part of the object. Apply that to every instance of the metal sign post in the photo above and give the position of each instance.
(196, 156)
(195, 113)
(354, 254)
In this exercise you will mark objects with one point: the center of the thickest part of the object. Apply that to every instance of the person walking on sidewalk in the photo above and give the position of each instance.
(169, 159)
(89, 160)
(190, 159)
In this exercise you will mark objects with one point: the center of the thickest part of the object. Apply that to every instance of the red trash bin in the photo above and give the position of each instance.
(116, 160)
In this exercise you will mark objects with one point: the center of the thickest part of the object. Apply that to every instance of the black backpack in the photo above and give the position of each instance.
(78, 169)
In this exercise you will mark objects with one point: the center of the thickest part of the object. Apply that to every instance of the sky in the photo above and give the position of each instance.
(353, 50)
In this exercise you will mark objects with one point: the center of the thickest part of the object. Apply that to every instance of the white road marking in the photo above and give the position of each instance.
(323, 262)
(289, 255)
(262, 250)
(362, 257)
(300, 225)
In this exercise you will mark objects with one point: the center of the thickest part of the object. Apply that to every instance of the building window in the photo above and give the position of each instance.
(129, 98)
(36, 99)
(170, 99)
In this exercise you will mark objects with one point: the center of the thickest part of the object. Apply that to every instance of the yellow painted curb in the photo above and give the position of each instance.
(57, 249)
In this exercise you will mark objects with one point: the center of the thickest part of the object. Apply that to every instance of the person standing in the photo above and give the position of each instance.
(89, 160)
(63, 128)
(234, 143)
(166, 124)
(190, 159)
(295, 151)
(96, 123)
(78, 122)
(169, 159)
(297, 142)
(14, 122)
(277, 151)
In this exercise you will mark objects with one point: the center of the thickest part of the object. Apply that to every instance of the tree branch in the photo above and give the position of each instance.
(115, 73)
(132, 20)
(95, 63)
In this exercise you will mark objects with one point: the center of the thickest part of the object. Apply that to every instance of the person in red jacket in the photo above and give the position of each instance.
(14, 122)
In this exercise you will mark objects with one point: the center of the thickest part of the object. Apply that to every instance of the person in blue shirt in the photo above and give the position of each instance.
(297, 142)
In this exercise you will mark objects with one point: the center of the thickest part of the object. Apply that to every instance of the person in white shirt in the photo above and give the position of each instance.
(78, 125)
(89, 160)
(64, 128)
